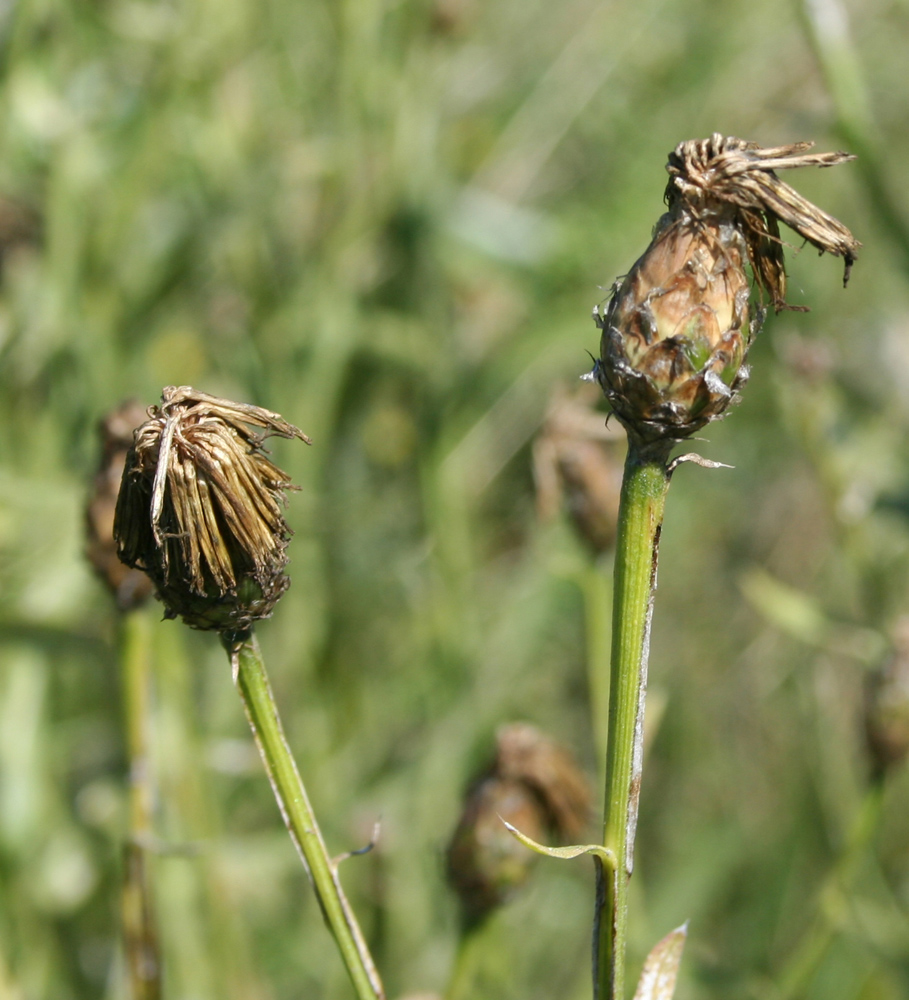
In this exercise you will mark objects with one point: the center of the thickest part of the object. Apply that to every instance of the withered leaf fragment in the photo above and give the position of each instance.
(201, 509)
(678, 327)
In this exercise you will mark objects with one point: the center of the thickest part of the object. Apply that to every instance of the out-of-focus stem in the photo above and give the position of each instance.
(252, 683)
(138, 911)
(644, 489)
(832, 904)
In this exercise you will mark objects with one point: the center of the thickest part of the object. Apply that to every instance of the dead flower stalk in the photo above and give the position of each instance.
(674, 345)
(201, 511)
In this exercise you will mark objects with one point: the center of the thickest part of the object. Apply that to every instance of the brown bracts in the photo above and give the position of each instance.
(200, 509)
(678, 327)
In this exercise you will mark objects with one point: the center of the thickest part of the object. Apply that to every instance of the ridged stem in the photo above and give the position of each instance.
(140, 931)
(644, 487)
(255, 691)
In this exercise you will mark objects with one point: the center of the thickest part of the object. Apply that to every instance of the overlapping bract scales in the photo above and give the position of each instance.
(677, 331)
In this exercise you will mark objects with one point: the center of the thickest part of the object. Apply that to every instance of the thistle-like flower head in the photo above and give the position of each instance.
(200, 509)
(678, 327)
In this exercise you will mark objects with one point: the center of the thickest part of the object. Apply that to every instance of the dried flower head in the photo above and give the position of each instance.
(201, 509)
(577, 461)
(130, 587)
(677, 329)
(535, 785)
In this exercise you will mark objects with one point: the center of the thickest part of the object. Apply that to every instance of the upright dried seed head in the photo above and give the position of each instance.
(201, 509)
(678, 327)
(535, 785)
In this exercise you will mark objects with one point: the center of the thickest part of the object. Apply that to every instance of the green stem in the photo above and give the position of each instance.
(252, 683)
(644, 489)
(140, 930)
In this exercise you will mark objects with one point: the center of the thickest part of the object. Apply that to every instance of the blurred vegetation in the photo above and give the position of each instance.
(389, 222)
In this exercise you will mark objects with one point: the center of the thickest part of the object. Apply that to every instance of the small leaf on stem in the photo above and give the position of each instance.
(563, 853)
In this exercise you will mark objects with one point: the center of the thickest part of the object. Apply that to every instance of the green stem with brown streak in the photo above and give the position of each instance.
(254, 688)
(644, 487)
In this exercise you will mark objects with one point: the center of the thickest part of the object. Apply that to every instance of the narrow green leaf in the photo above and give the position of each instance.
(565, 853)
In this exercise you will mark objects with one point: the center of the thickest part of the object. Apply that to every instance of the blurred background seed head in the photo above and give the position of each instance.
(577, 464)
(389, 223)
(535, 785)
(130, 587)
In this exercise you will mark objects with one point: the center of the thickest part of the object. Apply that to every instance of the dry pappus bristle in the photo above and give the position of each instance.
(201, 509)
(742, 174)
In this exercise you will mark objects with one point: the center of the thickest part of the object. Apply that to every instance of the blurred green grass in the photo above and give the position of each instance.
(389, 222)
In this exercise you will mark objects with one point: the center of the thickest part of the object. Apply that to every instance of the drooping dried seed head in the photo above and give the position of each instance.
(130, 587)
(526, 754)
(577, 463)
(486, 864)
(677, 329)
(201, 509)
(536, 786)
